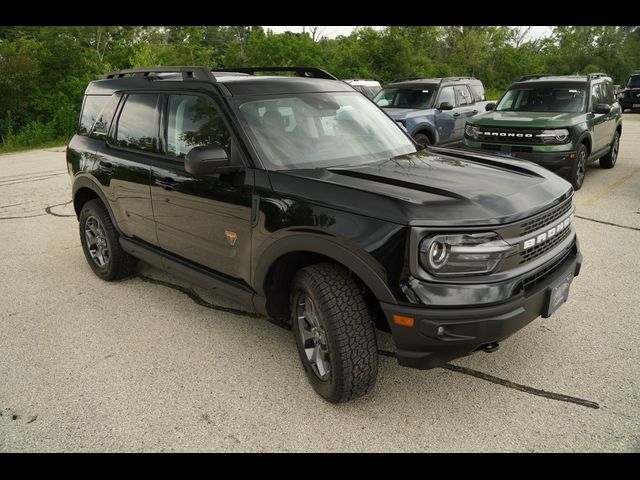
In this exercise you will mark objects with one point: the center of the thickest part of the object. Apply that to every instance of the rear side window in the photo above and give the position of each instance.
(138, 122)
(101, 125)
(607, 90)
(93, 105)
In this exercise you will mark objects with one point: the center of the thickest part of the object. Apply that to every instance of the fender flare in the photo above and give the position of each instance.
(365, 266)
(426, 126)
(586, 135)
(85, 181)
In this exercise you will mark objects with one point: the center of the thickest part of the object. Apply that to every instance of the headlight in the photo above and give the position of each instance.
(560, 135)
(465, 254)
(471, 131)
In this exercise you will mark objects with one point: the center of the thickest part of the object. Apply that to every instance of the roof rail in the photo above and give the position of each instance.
(455, 79)
(312, 72)
(593, 76)
(188, 73)
(408, 79)
(532, 77)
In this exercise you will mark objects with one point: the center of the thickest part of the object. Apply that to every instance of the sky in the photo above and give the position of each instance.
(334, 31)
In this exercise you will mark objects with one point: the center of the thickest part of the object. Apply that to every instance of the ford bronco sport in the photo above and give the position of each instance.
(560, 122)
(302, 200)
(433, 110)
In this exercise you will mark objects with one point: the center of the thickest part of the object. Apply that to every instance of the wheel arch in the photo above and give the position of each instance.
(427, 129)
(85, 189)
(277, 265)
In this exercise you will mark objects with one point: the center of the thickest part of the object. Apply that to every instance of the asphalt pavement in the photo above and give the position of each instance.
(150, 364)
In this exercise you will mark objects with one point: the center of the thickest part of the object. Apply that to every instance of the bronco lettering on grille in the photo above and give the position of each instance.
(544, 236)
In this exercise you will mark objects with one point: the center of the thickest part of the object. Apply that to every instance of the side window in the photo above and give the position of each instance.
(138, 123)
(101, 125)
(193, 121)
(607, 88)
(464, 97)
(596, 95)
(447, 95)
(93, 105)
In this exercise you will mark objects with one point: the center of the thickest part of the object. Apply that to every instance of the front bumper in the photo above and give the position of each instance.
(553, 158)
(443, 334)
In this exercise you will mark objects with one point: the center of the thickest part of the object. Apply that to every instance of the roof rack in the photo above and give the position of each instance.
(188, 73)
(312, 72)
(593, 76)
(455, 79)
(532, 77)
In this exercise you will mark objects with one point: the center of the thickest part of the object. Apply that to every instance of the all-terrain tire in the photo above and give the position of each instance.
(609, 160)
(343, 323)
(578, 168)
(119, 264)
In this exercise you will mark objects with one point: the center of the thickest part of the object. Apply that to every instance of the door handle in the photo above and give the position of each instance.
(107, 167)
(474, 111)
(456, 114)
(166, 183)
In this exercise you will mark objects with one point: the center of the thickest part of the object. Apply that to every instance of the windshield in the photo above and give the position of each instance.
(415, 97)
(314, 130)
(543, 99)
(634, 82)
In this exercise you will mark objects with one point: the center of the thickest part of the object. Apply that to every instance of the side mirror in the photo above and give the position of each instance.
(602, 108)
(490, 107)
(205, 160)
(445, 106)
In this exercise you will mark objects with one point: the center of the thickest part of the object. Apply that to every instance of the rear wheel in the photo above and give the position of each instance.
(100, 243)
(578, 169)
(609, 160)
(334, 332)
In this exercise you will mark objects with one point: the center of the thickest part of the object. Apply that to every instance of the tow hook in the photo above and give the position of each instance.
(490, 347)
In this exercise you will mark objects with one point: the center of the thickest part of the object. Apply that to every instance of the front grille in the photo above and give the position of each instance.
(545, 218)
(517, 149)
(493, 148)
(542, 248)
(509, 135)
(538, 277)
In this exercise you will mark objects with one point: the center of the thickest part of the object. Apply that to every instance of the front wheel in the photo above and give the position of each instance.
(609, 160)
(422, 139)
(334, 332)
(579, 168)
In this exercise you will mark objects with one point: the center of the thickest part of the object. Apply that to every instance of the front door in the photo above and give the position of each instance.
(445, 120)
(600, 122)
(202, 218)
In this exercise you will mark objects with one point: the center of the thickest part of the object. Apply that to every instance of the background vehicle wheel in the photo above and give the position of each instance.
(579, 167)
(334, 333)
(100, 244)
(422, 139)
(609, 160)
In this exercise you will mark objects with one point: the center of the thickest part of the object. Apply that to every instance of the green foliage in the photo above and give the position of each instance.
(44, 70)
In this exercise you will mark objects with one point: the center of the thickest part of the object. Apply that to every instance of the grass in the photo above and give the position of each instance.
(21, 148)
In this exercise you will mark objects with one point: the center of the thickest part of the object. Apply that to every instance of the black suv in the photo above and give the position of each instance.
(302, 200)
(629, 98)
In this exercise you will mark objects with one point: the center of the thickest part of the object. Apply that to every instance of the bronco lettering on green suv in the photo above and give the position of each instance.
(560, 122)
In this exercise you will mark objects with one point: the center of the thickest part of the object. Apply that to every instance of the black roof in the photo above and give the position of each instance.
(240, 81)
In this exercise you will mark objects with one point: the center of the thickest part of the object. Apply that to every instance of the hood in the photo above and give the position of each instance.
(440, 187)
(527, 119)
(402, 113)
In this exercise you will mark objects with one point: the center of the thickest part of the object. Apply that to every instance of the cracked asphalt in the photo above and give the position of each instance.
(152, 363)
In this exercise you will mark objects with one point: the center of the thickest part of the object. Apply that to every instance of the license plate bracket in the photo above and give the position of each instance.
(557, 295)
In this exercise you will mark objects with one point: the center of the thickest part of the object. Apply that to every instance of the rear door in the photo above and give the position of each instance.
(124, 163)
(205, 219)
(466, 109)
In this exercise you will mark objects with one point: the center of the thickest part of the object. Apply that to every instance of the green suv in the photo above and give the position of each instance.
(559, 122)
